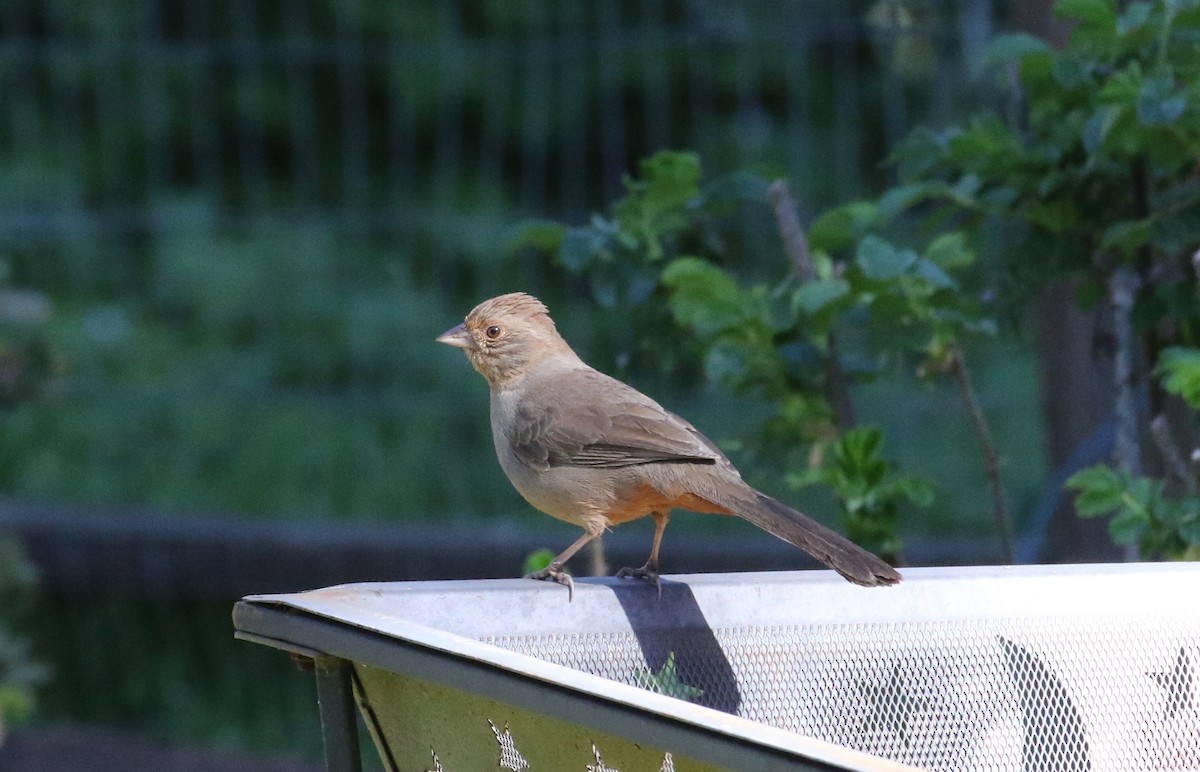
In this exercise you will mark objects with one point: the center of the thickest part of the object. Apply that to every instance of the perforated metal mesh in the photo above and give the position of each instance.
(1052, 693)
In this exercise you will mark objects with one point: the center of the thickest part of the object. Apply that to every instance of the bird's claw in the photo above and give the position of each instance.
(649, 572)
(555, 573)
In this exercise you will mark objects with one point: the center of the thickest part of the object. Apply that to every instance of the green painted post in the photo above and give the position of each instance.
(339, 722)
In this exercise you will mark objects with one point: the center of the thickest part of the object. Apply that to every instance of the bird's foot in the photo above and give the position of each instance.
(649, 572)
(554, 573)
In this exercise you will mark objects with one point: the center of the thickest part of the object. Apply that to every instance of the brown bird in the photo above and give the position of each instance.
(588, 449)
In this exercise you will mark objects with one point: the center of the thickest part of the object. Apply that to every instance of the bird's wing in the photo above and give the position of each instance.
(597, 421)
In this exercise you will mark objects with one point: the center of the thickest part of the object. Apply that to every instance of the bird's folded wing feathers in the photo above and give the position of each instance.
(629, 431)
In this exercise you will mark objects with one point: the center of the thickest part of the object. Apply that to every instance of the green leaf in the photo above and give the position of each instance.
(727, 361)
(880, 260)
(918, 154)
(659, 201)
(1055, 214)
(1134, 17)
(919, 490)
(1180, 370)
(545, 235)
(1095, 12)
(1189, 531)
(1128, 526)
(579, 246)
(669, 180)
(858, 449)
(1070, 74)
(1126, 236)
(901, 197)
(839, 228)
(15, 703)
(1175, 513)
(667, 681)
(999, 196)
(1123, 87)
(672, 179)
(1008, 48)
(809, 476)
(950, 251)
(814, 295)
(758, 361)
(702, 296)
(1175, 231)
(1158, 102)
(1098, 127)
(1099, 490)
(985, 138)
(933, 275)
(537, 560)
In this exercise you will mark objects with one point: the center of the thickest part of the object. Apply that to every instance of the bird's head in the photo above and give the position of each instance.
(504, 336)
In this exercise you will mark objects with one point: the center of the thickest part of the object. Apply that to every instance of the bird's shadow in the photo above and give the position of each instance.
(683, 657)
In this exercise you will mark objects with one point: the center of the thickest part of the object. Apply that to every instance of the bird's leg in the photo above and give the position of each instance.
(554, 570)
(650, 570)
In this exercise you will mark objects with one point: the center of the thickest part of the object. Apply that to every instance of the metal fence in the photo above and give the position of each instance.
(414, 118)
(226, 217)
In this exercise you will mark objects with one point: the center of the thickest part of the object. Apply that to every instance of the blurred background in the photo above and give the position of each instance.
(231, 229)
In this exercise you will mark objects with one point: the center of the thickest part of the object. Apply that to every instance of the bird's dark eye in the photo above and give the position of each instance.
(492, 332)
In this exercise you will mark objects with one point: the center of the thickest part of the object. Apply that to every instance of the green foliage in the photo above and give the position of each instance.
(170, 670)
(25, 366)
(656, 204)
(26, 361)
(894, 303)
(666, 680)
(662, 215)
(256, 375)
(537, 560)
(1143, 514)
(20, 672)
(1180, 368)
(1099, 172)
(868, 487)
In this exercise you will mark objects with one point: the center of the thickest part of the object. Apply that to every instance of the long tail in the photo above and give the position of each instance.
(827, 546)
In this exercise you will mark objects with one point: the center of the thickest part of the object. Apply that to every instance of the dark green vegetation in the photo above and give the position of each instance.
(192, 683)
(249, 219)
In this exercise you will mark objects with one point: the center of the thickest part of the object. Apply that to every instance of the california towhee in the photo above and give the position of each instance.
(590, 450)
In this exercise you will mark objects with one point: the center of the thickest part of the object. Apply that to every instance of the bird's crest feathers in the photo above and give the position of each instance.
(517, 304)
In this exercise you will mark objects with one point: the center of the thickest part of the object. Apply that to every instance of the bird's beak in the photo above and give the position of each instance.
(456, 336)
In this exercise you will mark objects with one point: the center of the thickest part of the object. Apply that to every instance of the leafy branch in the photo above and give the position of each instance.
(1095, 184)
(783, 341)
(795, 244)
(1144, 512)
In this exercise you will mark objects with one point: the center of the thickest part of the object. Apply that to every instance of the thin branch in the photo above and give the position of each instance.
(991, 460)
(1160, 430)
(1127, 453)
(795, 244)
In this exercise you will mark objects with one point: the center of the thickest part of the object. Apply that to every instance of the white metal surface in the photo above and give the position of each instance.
(1064, 667)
